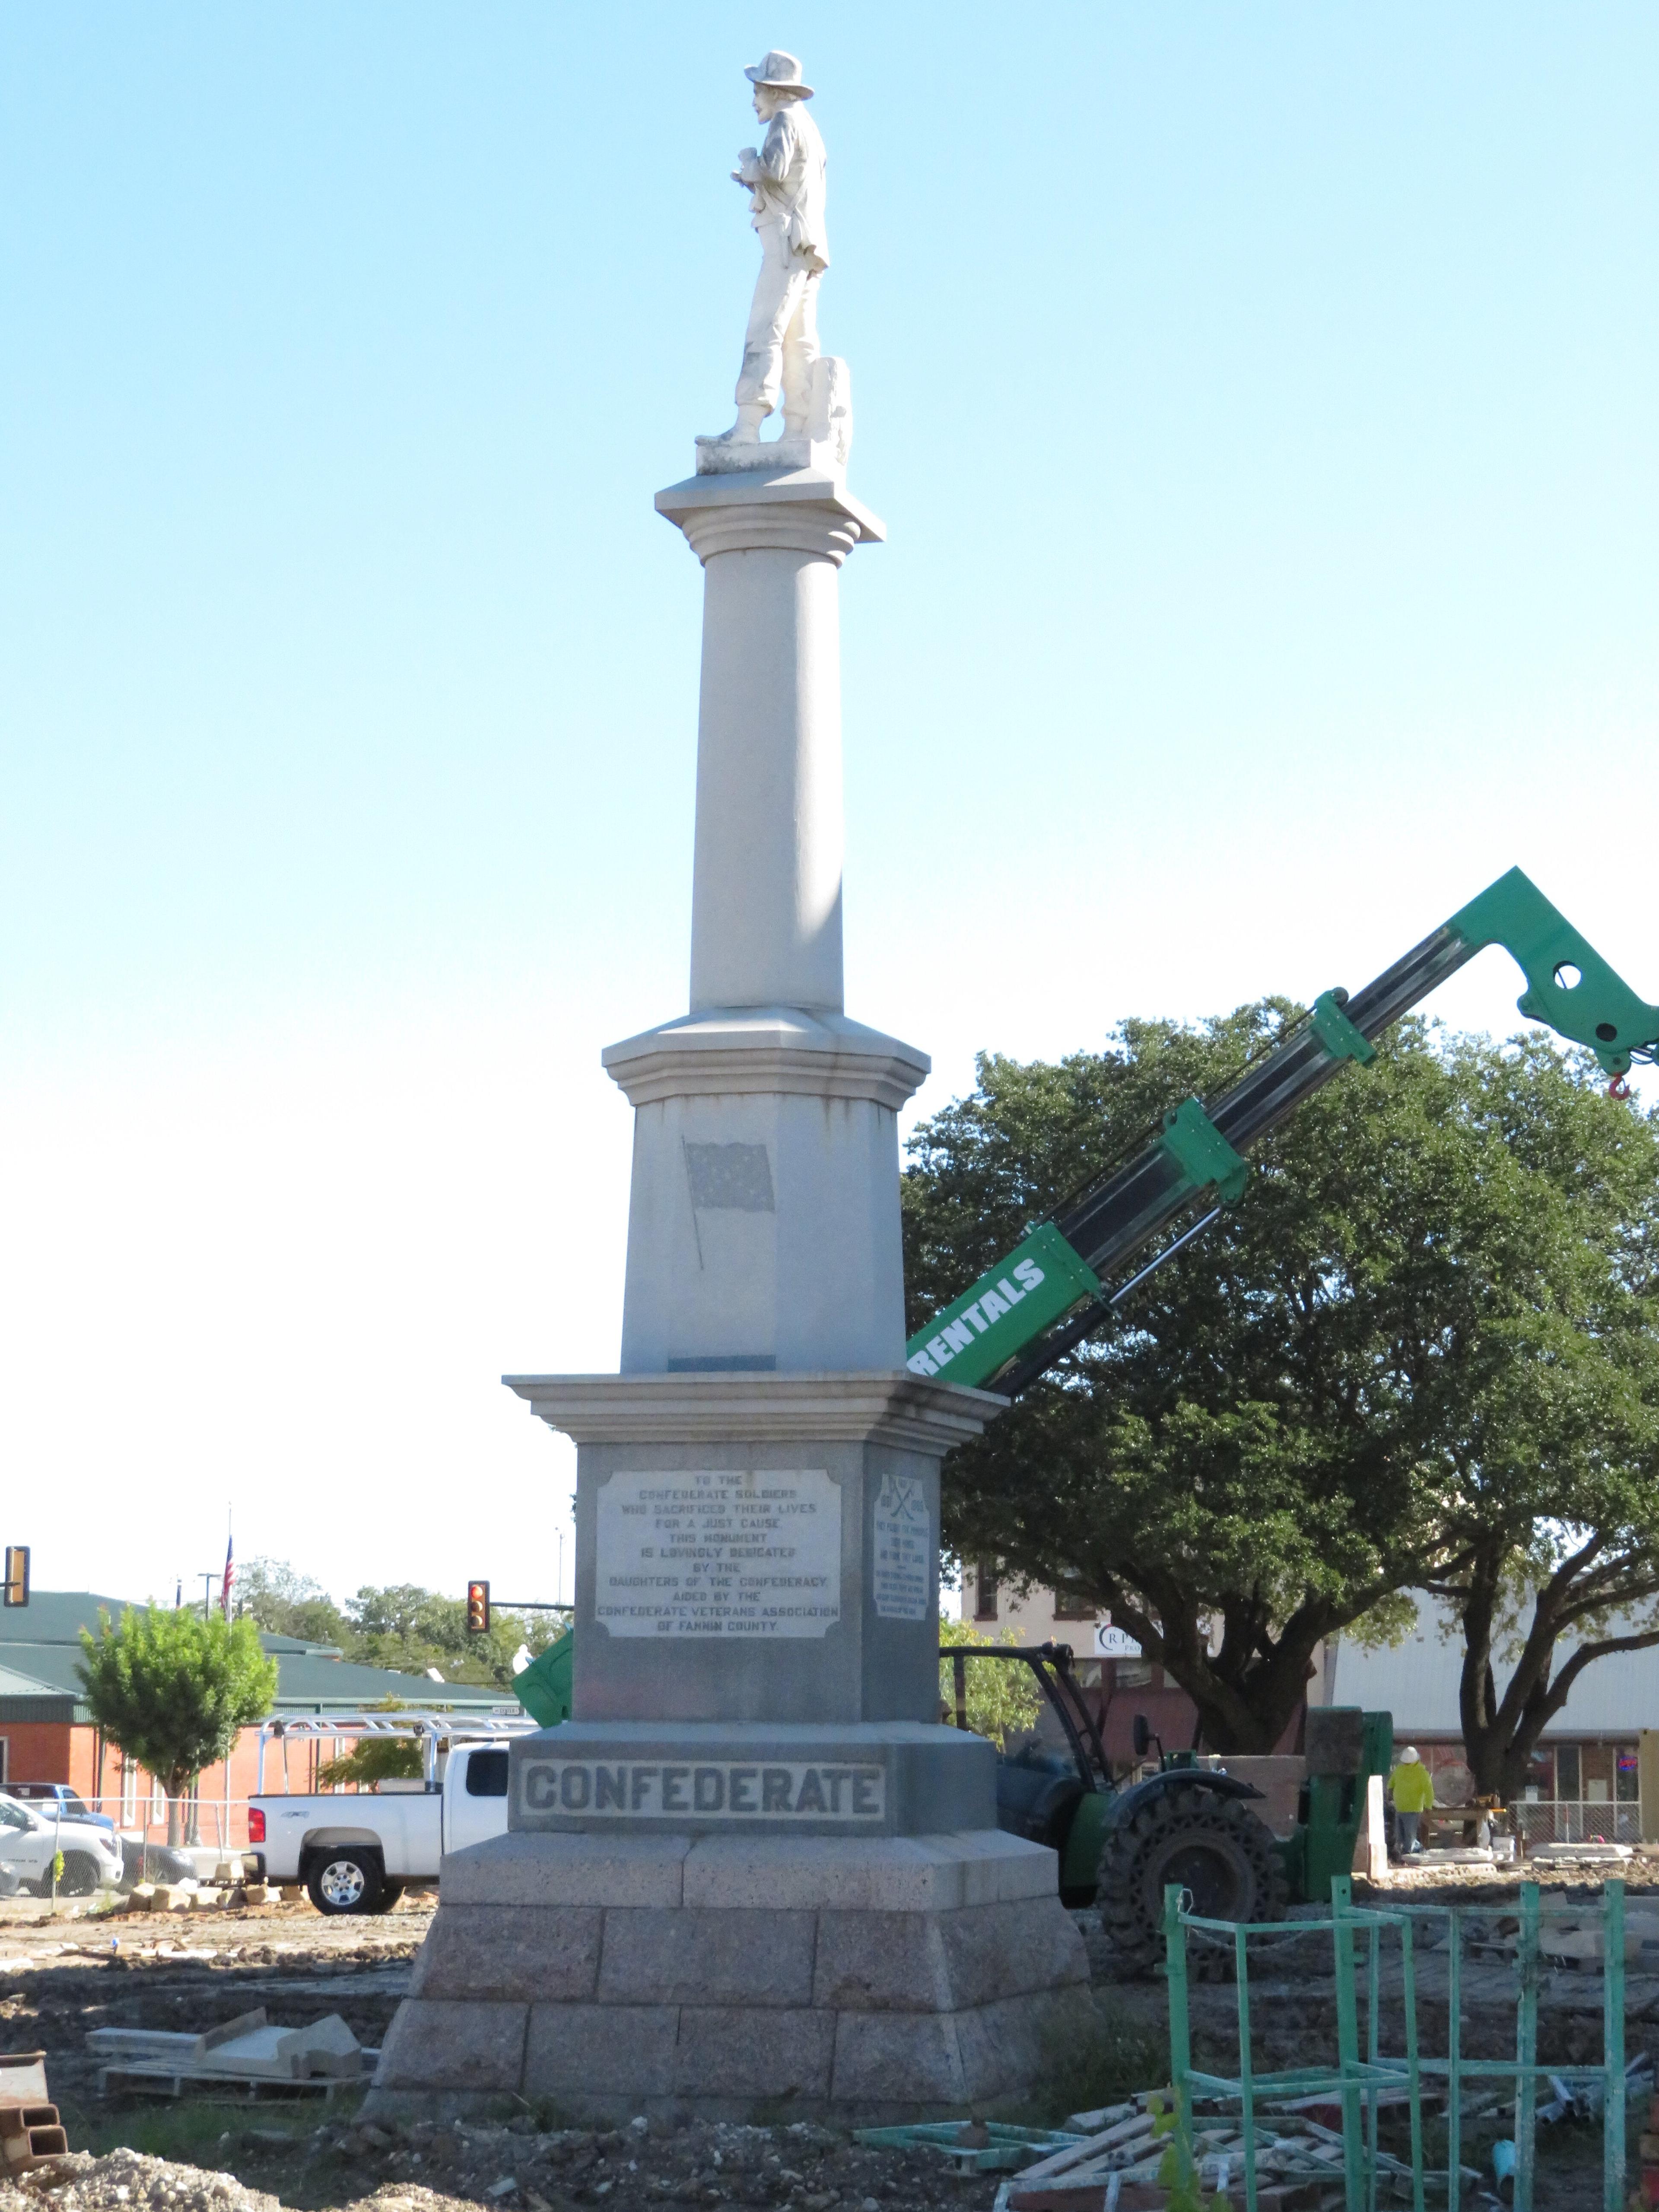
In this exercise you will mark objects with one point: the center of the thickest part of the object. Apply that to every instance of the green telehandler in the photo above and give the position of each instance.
(1190, 1823)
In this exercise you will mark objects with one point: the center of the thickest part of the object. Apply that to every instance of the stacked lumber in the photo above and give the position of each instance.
(31, 2133)
(1122, 2166)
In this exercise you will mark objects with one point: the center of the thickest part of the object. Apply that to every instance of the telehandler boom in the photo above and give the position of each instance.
(1050, 1294)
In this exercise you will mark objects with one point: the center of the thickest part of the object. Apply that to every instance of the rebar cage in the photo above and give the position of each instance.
(1358, 2081)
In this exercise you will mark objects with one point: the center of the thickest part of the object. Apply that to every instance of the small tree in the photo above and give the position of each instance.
(172, 1690)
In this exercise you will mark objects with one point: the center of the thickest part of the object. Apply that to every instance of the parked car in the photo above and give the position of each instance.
(153, 1862)
(59, 1794)
(30, 1836)
(357, 1853)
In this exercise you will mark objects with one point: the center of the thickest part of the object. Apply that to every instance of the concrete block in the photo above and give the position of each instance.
(738, 2051)
(465, 2047)
(690, 1956)
(996, 1868)
(621, 2051)
(523, 1868)
(853, 1873)
(994, 1951)
(930, 1873)
(899, 2059)
(530, 1953)
(881, 1962)
(1008, 2046)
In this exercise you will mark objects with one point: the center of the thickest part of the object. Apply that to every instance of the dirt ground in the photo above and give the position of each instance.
(62, 1974)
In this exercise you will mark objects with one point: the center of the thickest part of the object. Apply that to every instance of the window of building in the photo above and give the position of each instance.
(1131, 1674)
(1627, 1779)
(1539, 1786)
(1070, 1603)
(1597, 1763)
(129, 1792)
(5, 1747)
(1567, 1785)
(985, 1591)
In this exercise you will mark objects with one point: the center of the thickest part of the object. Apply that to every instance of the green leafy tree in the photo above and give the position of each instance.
(1554, 1510)
(998, 1696)
(172, 1690)
(1268, 1448)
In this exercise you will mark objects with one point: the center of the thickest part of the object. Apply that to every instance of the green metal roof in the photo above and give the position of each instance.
(40, 1643)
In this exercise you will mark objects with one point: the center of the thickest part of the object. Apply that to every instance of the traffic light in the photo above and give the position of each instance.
(17, 1575)
(477, 1608)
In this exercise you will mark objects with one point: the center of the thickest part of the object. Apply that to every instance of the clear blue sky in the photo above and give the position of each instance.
(1261, 402)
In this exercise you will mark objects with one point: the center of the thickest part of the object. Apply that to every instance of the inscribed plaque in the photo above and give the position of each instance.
(903, 1550)
(754, 1553)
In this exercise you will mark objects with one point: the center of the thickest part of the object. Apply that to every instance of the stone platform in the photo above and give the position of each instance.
(879, 1977)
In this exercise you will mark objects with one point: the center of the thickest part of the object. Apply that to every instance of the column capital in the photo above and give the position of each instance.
(726, 1051)
(792, 509)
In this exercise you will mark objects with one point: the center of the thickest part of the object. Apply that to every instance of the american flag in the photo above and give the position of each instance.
(229, 1582)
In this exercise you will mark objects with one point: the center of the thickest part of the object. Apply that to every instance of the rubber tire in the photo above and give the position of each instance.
(1214, 1845)
(332, 1890)
(389, 1893)
(80, 1875)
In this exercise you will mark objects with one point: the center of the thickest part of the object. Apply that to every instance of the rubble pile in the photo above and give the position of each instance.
(127, 2181)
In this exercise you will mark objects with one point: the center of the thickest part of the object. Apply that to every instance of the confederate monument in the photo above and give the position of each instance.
(754, 1865)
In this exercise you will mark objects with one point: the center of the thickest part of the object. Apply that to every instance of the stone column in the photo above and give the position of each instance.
(763, 1225)
(766, 888)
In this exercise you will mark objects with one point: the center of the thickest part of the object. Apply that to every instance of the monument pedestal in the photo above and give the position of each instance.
(858, 1978)
(744, 1872)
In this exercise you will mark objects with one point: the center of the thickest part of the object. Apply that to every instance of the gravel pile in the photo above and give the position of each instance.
(127, 2181)
(517, 2167)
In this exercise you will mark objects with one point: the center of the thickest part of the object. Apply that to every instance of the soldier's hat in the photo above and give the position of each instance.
(782, 72)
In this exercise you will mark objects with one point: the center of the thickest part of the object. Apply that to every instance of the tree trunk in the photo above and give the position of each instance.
(1246, 1698)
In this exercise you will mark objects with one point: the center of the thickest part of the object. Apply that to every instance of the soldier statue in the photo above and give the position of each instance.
(784, 183)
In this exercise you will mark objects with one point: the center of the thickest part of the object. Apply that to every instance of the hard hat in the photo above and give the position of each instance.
(1409, 1758)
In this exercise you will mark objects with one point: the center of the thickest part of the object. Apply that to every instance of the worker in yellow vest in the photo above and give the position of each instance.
(1412, 1788)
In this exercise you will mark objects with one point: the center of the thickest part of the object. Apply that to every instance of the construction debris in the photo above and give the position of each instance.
(248, 2050)
(31, 2134)
(1593, 1853)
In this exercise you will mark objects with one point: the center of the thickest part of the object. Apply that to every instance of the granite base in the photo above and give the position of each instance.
(860, 1979)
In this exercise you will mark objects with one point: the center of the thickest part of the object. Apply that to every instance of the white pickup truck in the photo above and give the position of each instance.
(356, 1851)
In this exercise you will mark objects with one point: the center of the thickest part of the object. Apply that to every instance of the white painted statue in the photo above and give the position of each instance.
(784, 180)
